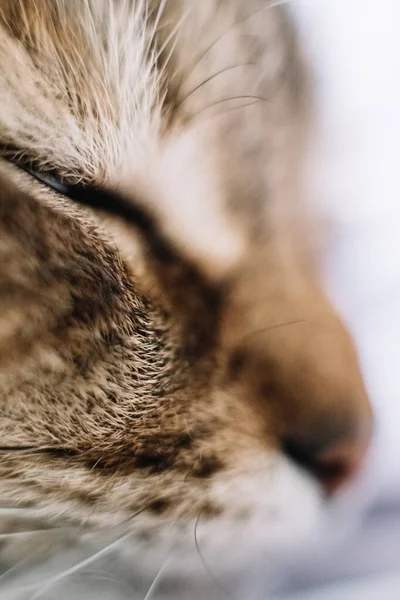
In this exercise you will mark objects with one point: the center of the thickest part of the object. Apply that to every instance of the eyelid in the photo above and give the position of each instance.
(106, 200)
(93, 197)
(44, 177)
(51, 181)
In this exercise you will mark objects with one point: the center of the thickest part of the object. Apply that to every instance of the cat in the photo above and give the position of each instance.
(167, 353)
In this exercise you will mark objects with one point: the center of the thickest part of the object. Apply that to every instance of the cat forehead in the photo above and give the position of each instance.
(78, 83)
(83, 90)
(87, 83)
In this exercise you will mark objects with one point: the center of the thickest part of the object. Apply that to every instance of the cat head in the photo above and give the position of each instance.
(167, 353)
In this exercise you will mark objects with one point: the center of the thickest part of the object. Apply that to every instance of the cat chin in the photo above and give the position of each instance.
(269, 521)
(272, 508)
(272, 515)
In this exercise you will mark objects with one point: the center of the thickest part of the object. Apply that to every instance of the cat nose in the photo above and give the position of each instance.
(307, 387)
(334, 454)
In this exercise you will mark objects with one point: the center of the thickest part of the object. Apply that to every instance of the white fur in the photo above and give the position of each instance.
(127, 97)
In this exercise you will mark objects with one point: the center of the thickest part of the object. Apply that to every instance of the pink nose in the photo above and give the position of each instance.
(334, 462)
(337, 465)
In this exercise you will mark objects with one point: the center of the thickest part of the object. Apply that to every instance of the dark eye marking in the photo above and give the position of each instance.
(195, 299)
(101, 199)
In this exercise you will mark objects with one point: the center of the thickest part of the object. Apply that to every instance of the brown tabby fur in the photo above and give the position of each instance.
(126, 382)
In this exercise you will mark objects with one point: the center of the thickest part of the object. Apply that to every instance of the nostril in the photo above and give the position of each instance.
(334, 462)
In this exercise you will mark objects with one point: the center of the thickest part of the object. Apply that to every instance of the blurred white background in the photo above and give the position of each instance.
(355, 172)
(354, 46)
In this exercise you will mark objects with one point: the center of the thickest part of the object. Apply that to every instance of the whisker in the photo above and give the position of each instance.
(276, 3)
(244, 97)
(224, 100)
(36, 449)
(272, 327)
(76, 568)
(210, 78)
(17, 448)
(172, 34)
(14, 534)
(170, 37)
(107, 578)
(157, 20)
(157, 578)
(200, 57)
(224, 112)
(11, 511)
(11, 570)
(204, 562)
(84, 563)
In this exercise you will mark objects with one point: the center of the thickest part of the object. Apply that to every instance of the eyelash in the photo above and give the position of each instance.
(105, 200)
(100, 199)
(46, 178)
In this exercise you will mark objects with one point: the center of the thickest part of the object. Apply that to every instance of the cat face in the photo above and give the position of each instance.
(166, 353)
